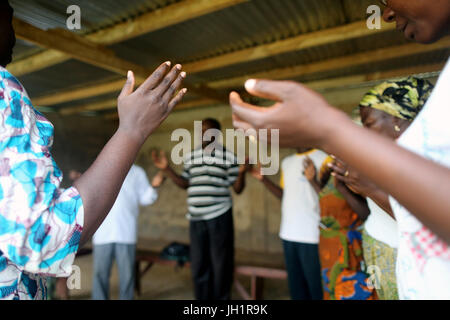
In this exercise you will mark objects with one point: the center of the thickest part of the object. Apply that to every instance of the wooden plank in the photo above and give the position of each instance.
(147, 22)
(241, 290)
(286, 73)
(361, 79)
(97, 106)
(81, 93)
(348, 61)
(305, 41)
(357, 29)
(261, 272)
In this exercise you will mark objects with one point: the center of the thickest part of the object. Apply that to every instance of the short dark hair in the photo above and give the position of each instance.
(212, 123)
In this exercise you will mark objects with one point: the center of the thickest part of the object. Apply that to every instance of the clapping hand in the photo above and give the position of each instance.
(160, 159)
(309, 169)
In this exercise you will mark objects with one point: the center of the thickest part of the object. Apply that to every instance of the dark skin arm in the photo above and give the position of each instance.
(141, 111)
(356, 202)
(361, 185)
(161, 162)
(239, 184)
(305, 119)
(276, 190)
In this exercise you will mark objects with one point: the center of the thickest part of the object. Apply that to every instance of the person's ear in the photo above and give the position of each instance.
(400, 126)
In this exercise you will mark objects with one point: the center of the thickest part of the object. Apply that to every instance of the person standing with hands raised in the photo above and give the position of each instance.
(208, 176)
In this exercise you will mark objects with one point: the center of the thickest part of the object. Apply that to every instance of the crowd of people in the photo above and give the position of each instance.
(359, 198)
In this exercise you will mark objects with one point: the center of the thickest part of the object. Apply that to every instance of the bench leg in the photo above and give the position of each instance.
(137, 277)
(257, 287)
(241, 290)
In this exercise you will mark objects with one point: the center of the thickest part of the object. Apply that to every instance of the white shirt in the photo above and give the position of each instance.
(423, 261)
(300, 209)
(380, 225)
(120, 226)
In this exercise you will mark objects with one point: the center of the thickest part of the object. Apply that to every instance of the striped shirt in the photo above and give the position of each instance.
(210, 174)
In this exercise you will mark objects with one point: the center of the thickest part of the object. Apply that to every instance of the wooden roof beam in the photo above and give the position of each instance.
(145, 23)
(348, 61)
(281, 73)
(301, 42)
(94, 54)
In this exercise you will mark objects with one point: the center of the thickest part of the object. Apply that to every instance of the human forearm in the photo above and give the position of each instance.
(101, 183)
(356, 202)
(239, 184)
(176, 178)
(382, 160)
(315, 184)
(275, 189)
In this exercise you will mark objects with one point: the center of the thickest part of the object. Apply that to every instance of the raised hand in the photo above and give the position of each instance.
(309, 169)
(158, 179)
(141, 111)
(256, 172)
(351, 178)
(301, 115)
(160, 159)
(246, 166)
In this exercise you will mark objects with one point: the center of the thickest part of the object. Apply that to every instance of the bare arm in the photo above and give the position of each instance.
(276, 190)
(239, 184)
(140, 113)
(176, 178)
(305, 119)
(360, 185)
(315, 184)
(161, 162)
(355, 201)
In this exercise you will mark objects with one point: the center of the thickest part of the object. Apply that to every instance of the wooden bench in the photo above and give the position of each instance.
(150, 257)
(257, 274)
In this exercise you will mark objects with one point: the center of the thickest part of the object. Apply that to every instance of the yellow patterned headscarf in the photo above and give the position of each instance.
(402, 98)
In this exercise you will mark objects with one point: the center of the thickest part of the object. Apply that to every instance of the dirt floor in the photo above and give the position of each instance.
(165, 283)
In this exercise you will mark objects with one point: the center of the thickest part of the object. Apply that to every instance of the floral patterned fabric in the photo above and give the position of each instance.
(340, 248)
(383, 257)
(40, 224)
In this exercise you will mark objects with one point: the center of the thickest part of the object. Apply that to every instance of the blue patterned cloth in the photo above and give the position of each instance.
(40, 224)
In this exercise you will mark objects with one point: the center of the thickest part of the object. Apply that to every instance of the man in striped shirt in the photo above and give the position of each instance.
(207, 175)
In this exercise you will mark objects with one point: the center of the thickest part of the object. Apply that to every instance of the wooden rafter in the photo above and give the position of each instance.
(282, 73)
(301, 42)
(347, 61)
(148, 22)
(89, 52)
